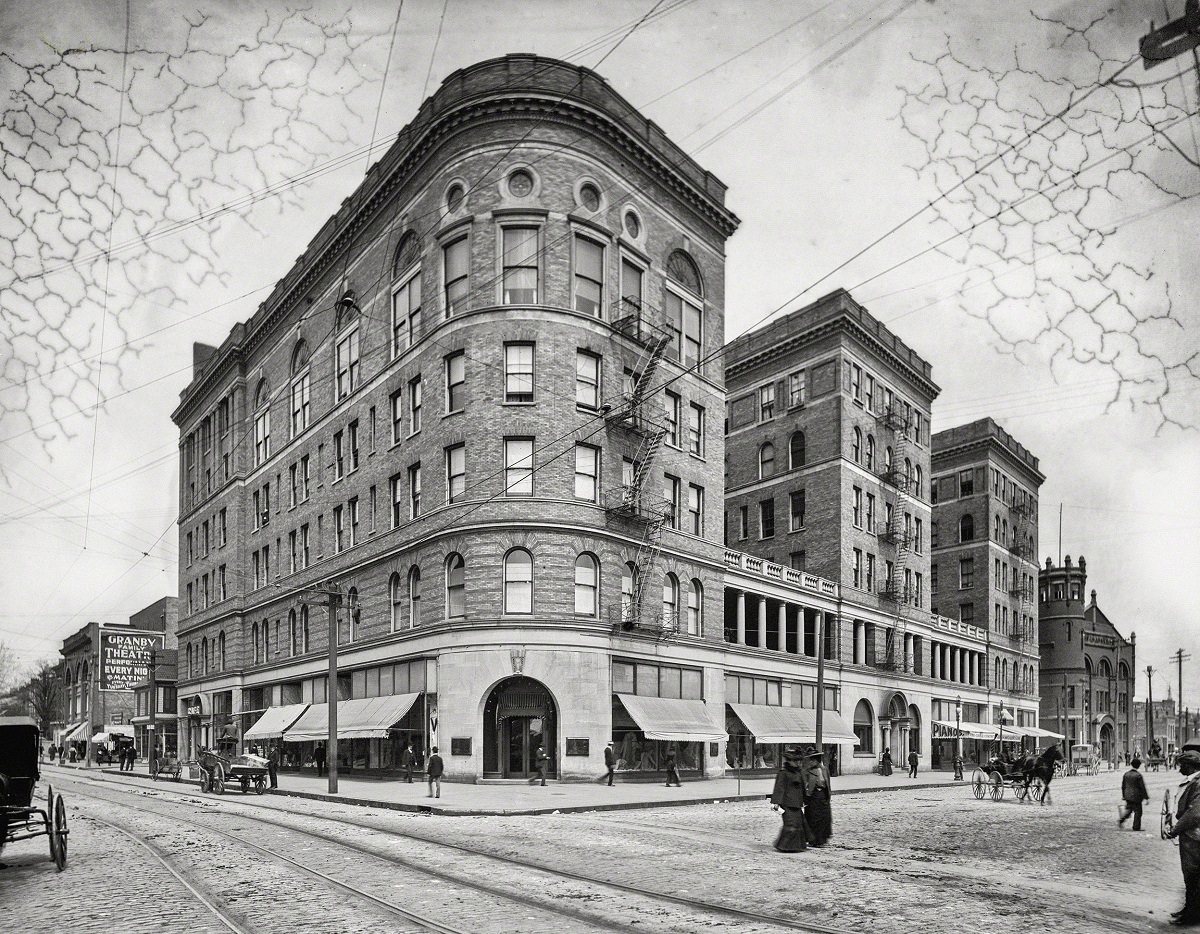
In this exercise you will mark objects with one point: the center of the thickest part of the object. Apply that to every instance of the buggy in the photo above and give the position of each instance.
(1084, 759)
(990, 779)
(20, 818)
(167, 766)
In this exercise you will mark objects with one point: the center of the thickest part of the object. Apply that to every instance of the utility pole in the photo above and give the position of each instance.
(1149, 709)
(331, 691)
(1180, 731)
(152, 727)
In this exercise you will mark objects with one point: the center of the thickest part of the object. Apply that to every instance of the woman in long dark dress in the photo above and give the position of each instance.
(789, 795)
(817, 813)
(885, 763)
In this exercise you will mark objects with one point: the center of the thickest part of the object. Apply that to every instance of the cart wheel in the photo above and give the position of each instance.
(260, 785)
(978, 783)
(57, 832)
(218, 785)
(1037, 788)
(205, 783)
(997, 786)
(1019, 790)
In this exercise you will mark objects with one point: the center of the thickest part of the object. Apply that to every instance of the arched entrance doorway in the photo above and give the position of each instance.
(1106, 742)
(893, 726)
(519, 717)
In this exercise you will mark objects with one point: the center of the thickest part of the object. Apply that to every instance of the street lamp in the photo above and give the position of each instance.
(958, 760)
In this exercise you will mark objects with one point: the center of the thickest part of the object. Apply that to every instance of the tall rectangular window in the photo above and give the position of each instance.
(797, 513)
(589, 276)
(347, 364)
(456, 269)
(520, 265)
(518, 466)
(294, 490)
(301, 409)
(339, 455)
(304, 478)
(414, 491)
(766, 518)
(518, 372)
(632, 278)
(587, 380)
(339, 528)
(766, 402)
(406, 313)
(456, 381)
(671, 495)
(304, 552)
(587, 472)
(695, 438)
(352, 509)
(672, 407)
(262, 436)
(352, 445)
(696, 509)
(966, 573)
(685, 322)
(857, 508)
(415, 398)
(396, 401)
(858, 567)
(456, 472)
(870, 572)
(397, 490)
(856, 381)
(224, 526)
(796, 389)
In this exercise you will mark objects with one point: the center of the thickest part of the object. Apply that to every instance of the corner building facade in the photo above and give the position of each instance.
(450, 412)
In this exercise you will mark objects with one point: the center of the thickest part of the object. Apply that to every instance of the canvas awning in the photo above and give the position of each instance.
(73, 733)
(119, 728)
(273, 723)
(792, 724)
(947, 729)
(684, 721)
(1038, 733)
(363, 718)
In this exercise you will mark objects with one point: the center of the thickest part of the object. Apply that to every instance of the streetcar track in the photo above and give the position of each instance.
(739, 914)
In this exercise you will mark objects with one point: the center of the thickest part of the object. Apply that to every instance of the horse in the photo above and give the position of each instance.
(1041, 767)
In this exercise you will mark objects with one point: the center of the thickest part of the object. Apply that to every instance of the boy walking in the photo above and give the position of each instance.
(1133, 791)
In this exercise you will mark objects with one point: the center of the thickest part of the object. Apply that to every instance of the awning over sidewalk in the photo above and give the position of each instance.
(792, 724)
(273, 723)
(364, 718)
(945, 729)
(109, 728)
(74, 732)
(684, 721)
(1038, 733)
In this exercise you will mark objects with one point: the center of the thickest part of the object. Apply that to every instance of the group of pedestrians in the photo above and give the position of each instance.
(802, 793)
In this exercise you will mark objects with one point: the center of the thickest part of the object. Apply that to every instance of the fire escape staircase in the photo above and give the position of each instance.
(896, 481)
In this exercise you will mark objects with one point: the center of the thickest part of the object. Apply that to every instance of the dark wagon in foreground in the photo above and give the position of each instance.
(20, 817)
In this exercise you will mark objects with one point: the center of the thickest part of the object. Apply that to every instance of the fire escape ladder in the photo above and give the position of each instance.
(896, 480)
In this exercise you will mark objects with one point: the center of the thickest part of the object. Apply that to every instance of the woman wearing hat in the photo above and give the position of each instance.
(789, 795)
(817, 814)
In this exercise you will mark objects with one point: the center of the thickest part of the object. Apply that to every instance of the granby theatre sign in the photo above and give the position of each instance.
(125, 659)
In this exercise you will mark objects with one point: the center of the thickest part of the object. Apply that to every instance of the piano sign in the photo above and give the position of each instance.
(125, 659)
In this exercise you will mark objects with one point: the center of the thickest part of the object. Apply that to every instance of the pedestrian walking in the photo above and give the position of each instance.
(273, 767)
(788, 795)
(672, 771)
(319, 759)
(610, 762)
(885, 762)
(1187, 829)
(434, 769)
(913, 759)
(53, 751)
(1133, 792)
(818, 816)
(540, 760)
(408, 759)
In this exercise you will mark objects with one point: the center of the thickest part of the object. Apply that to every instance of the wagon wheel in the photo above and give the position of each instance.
(978, 783)
(260, 784)
(244, 781)
(205, 782)
(1019, 789)
(57, 830)
(997, 789)
(1037, 788)
(218, 785)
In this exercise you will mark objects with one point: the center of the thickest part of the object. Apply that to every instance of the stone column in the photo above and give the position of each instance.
(783, 627)
(741, 617)
(860, 643)
(935, 660)
(954, 663)
(762, 622)
(908, 652)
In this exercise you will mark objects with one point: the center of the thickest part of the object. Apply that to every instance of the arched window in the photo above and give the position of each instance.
(629, 591)
(966, 528)
(796, 450)
(414, 596)
(670, 599)
(1123, 671)
(266, 636)
(870, 452)
(253, 642)
(887, 458)
(587, 580)
(456, 587)
(996, 529)
(204, 653)
(304, 627)
(1105, 668)
(864, 727)
(695, 609)
(766, 461)
(406, 294)
(1087, 665)
(395, 600)
(908, 472)
(262, 423)
(918, 481)
(684, 308)
(299, 357)
(191, 670)
(301, 389)
(914, 729)
(221, 649)
(293, 634)
(518, 581)
(996, 676)
(856, 449)
(353, 612)
(682, 269)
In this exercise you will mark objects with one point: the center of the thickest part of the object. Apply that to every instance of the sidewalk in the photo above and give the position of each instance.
(509, 798)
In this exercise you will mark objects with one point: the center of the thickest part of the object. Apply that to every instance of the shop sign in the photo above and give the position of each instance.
(193, 710)
(125, 659)
(944, 732)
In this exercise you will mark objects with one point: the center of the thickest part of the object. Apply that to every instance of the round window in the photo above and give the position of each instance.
(589, 196)
(454, 197)
(520, 184)
(632, 225)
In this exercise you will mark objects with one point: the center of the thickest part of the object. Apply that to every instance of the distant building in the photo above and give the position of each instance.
(1167, 720)
(985, 520)
(1088, 667)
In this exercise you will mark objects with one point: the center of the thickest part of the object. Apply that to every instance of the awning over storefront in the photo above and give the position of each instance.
(74, 732)
(945, 729)
(1038, 733)
(364, 718)
(273, 723)
(683, 721)
(792, 724)
(120, 729)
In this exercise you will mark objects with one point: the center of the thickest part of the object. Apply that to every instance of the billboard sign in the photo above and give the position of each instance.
(125, 659)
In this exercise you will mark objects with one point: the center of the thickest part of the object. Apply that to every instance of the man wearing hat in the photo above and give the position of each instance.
(1187, 829)
(817, 814)
(610, 761)
(789, 795)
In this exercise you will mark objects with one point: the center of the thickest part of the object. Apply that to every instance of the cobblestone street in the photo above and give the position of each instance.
(936, 858)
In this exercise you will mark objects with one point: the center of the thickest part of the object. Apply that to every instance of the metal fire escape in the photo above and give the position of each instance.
(896, 530)
(630, 506)
(1022, 549)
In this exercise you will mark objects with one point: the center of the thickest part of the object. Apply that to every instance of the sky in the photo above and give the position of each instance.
(1008, 189)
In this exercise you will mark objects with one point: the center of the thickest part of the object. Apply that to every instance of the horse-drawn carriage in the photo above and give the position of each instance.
(20, 819)
(216, 770)
(1029, 776)
(1084, 759)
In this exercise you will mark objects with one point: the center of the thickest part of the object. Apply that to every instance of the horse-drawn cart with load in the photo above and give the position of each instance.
(20, 818)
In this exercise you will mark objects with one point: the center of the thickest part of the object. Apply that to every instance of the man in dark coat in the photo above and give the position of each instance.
(788, 794)
(610, 762)
(672, 771)
(434, 769)
(1187, 829)
(273, 767)
(913, 758)
(1133, 792)
(319, 758)
(540, 760)
(408, 759)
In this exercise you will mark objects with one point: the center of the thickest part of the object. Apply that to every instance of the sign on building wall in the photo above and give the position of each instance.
(125, 659)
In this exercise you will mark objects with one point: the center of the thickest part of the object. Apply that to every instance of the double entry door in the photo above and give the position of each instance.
(523, 736)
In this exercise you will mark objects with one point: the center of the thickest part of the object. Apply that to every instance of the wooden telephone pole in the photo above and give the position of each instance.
(1149, 709)
(1180, 722)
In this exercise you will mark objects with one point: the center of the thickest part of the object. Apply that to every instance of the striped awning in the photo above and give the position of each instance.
(684, 721)
(363, 718)
(275, 721)
(768, 724)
